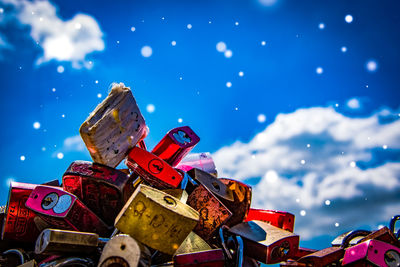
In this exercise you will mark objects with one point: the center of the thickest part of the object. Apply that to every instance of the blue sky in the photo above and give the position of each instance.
(298, 98)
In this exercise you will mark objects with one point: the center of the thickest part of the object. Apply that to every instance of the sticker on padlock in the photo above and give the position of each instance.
(202, 161)
(325, 257)
(213, 213)
(121, 250)
(218, 188)
(208, 258)
(19, 221)
(265, 242)
(176, 144)
(192, 243)
(281, 219)
(63, 241)
(64, 210)
(102, 189)
(242, 200)
(153, 169)
(156, 219)
(114, 127)
(373, 252)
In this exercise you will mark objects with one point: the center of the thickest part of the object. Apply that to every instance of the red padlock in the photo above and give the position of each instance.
(64, 210)
(281, 219)
(19, 221)
(102, 189)
(153, 169)
(176, 144)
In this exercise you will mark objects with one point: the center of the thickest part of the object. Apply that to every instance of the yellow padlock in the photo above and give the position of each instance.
(156, 219)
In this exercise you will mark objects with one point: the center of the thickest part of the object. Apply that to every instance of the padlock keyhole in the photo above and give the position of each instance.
(123, 246)
(216, 186)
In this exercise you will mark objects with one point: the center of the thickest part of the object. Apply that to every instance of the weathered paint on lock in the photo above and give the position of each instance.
(202, 161)
(281, 219)
(372, 251)
(19, 221)
(241, 200)
(208, 258)
(156, 219)
(114, 127)
(266, 243)
(324, 257)
(102, 189)
(153, 169)
(213, 212)
(63, 210)
(62, 241)
(176, 144)
(192, 243)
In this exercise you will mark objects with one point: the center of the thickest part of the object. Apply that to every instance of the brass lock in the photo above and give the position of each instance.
(192, 243)
(54, 241)
(180, 194)
(156, 219)
(266, 243)
(114, 127)
(121, 250)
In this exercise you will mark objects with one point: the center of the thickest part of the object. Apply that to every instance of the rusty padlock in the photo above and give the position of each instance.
(121, 250)
(372, 253)
(19, 221)
(281, 219)
(242, 199)
(153, 169)
(156, 219)
(55, 241)
(330, 256)
(64, 210)
(202, 161)
(384, 234)
(265, 242)
(207, 258)
(114, 127)
(102, 189)
(176, 144)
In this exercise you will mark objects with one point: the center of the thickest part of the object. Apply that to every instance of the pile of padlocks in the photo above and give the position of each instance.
(167, 209)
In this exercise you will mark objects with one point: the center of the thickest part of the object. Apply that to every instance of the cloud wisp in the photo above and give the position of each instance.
(333, 172)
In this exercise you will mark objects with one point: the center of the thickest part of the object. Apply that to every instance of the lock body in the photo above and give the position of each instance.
(153, 169)
(121, 250)
(114, 127)
(19, 221)
(265, 242)
(102, 189)
(384, 234)
(208, 258)
(202, 161)
(281, 219)
(213, 213)
(156, 219)
(372, 252)
(192, 243)
(325, 257)
(64, 210)
(176, 144)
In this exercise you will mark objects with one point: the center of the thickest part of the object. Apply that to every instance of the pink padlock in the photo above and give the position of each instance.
(372, 251)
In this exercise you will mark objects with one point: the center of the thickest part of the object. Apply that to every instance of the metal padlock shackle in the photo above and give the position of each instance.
(20, 254)
(392, 224)
(70, 261)
(353, 234)
(222, 231)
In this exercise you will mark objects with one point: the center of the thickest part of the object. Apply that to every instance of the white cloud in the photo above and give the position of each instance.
(353, 103)
(359, 195)
(62, 40)
(74, 143)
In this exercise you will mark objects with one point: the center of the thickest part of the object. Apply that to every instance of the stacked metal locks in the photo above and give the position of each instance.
(167, 209)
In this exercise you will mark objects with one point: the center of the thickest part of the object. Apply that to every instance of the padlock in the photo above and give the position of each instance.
(55, 241)
(349, 238)
(265, 242)
(281, 219)
(213, 213)
(202, 161)
(208, 258)
(156, 219)
(192, 243)
(121, 250)
(19, 221)
(114, 127)
(301, 252)
(218, 188)
(64, 210)
(242, 200)
(384, 234)
(371, 253)
(153, 169)
(176, 144)
(178, 193)
(330, 256)
(102, 189)
(31, 263)
(69, 261)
